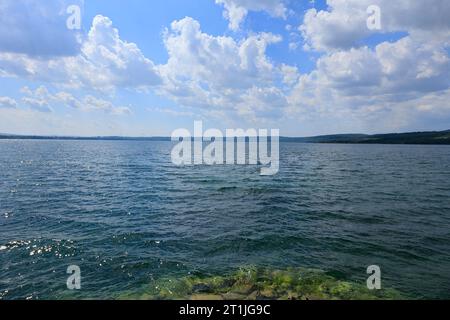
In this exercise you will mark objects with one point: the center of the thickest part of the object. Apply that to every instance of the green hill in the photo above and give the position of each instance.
(434, 137)
(437, 137)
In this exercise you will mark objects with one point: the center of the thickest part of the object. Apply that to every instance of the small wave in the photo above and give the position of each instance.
(225, 189)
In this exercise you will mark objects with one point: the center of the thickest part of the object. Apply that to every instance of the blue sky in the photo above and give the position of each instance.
(143, 68)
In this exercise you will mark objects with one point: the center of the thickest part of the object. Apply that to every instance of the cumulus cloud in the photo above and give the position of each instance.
(237, 10)
(89, 103)
(384, 84)
(7, 102)
(110, 61)
(344, 24)
(104, 63)
(210, 72)
(351, 82)
(93, 103)
(388, 80)
(38, 99)
(224, 74)
(42, 100)
(290, 74)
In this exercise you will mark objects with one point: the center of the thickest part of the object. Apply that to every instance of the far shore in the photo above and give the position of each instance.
(410, 138)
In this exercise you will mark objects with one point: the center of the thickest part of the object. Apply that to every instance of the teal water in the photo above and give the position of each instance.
(128, 217)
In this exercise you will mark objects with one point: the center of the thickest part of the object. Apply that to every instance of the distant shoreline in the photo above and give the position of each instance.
(410, 138)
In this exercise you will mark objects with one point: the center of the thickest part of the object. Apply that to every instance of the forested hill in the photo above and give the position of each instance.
(436, 137)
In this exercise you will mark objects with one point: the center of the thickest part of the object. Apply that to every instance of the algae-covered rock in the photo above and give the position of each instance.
(201, 288)
(234, 296)
(261, 284)
(243, 289)
(268, 293)
(253, 296)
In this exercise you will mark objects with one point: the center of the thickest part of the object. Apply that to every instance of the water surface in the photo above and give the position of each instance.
(123, 213)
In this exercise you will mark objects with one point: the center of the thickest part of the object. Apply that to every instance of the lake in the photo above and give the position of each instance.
(127, 216)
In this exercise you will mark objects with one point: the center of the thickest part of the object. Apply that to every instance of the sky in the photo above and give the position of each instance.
(147, 68)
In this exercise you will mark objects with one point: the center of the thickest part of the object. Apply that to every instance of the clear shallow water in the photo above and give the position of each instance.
(127, 216)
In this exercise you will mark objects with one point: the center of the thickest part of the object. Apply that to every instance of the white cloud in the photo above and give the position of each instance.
(104, 63)
(7, 102)
(93, 103)
(68, 100)
(352, 86)
(39, 105)
(237, 10)
(344, 24)
(42, 100)
(110, 61)
(218, 72)
(363, 84)
(290, 74)
(203, 71)
(384, 86)
(38, 100)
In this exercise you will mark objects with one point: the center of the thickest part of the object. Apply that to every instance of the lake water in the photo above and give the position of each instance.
(123, 213)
